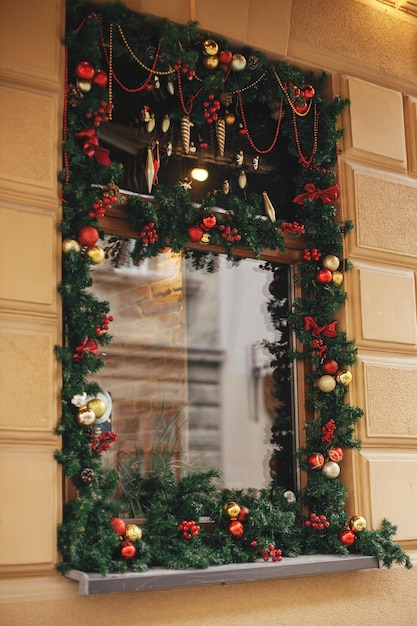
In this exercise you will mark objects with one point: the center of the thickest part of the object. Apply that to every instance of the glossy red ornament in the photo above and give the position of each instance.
(236, 529)
(225, 57)
(118, 525)
(84, 71)
(347, 537)
(88, 236)
(316, 460)
(100, 79)
(335, 454)
(308, 91)
(195, 233)
(301, 107)
(209, 221)
(330, 367)
(127, 550)
(324, 276)
(243, 513)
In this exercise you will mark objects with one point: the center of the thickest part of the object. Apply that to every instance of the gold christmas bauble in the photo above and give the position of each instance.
(344, 377)
(331, 470)
(98, 406)
(96, 254)
(86, 416)
(230, 118)
(133, 532)
(232, 509)
(210, 47)
(70, 245)
(337, 278)
(357, 523)
(331, 262)
(211, 62)
(326, 383)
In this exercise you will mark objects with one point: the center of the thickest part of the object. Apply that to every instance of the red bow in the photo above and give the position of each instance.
(88, 345)
(327, 196)
(328, 330)
(92, 148)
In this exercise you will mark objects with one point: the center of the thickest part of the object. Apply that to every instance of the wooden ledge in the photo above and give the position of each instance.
(161, 578)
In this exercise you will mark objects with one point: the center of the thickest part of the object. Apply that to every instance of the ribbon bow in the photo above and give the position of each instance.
(327, 196)
(88, 345)
(328, 330)
(92, 147)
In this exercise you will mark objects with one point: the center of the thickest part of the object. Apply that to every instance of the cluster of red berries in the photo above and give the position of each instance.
(229, 233)
(185, 69)
(101, 114)
(318, 522)
(100, 206)
(189, 528)
(292, 228)
(211, 108)
(312, 254)
(327, 431)
(103, 442)
(104, 326)
(148, 234)
(319, 348)
(271, 552)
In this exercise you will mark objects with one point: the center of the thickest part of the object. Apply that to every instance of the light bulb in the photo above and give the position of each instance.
(200, 174)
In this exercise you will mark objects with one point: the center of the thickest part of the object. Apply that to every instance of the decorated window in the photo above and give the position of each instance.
(147, 103)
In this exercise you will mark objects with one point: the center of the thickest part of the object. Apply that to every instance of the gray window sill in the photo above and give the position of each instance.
(161, 578)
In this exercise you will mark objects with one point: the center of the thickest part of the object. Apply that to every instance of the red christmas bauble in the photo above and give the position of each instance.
(316, 460)
(118, 525)
(88, 236)
(347, 537)
(324, 276)
(236, 529)
(127, 550)
(225, 57)
(335, 454)
(195, 233)
(209, 221)
(100, 79)
(308, 91)
(330, 367)
(243, 513)
(84, 71)
(301, 107)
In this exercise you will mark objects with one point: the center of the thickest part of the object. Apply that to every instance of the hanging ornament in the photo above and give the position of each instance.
(85, 416)
(211, 62)
(335, 454)
(242, 181)
(150, 124)
(166, 123)
(324, 276)
(236, 529)
(330, 262)
(156, 160)
(337, 278)
(221, 135)
(232, 509)
(225, 59)
(84, 71)
(127, 550)
(186, 125)
(100, 78)
(269, 209)
(331, 470)
(229, 118)
(344, 377)
(149, 170)
(210, 47)
(226, 187)
(357, 523)
(96, 254)
(329, 366)
(326, 383)
(88, 236)
(316, 460)
(70, 245)
(170, 88)
(119, 526)
(98, 406)
(238, 63)
(133, 532)
(186, 183)
(255, 162)
(87, 475)
(193, 148)
(308, 91)
(226, 98)
(168, 149)
(347, 537)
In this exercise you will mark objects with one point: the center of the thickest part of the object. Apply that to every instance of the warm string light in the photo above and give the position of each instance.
(303, 160)
(245, 126)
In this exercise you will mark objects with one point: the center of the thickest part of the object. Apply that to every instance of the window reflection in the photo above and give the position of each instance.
(188, 360)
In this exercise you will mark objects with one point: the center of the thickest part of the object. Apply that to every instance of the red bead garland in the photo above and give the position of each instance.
(246, 130)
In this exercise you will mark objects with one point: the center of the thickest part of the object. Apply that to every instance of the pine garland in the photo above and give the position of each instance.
(248, 524)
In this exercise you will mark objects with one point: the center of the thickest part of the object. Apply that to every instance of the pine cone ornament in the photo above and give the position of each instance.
(87, 475)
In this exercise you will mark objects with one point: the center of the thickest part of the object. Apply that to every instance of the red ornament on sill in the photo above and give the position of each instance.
(236, 529)
(127, 550)
(347, 537)
(195, 233)
(119, 526)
